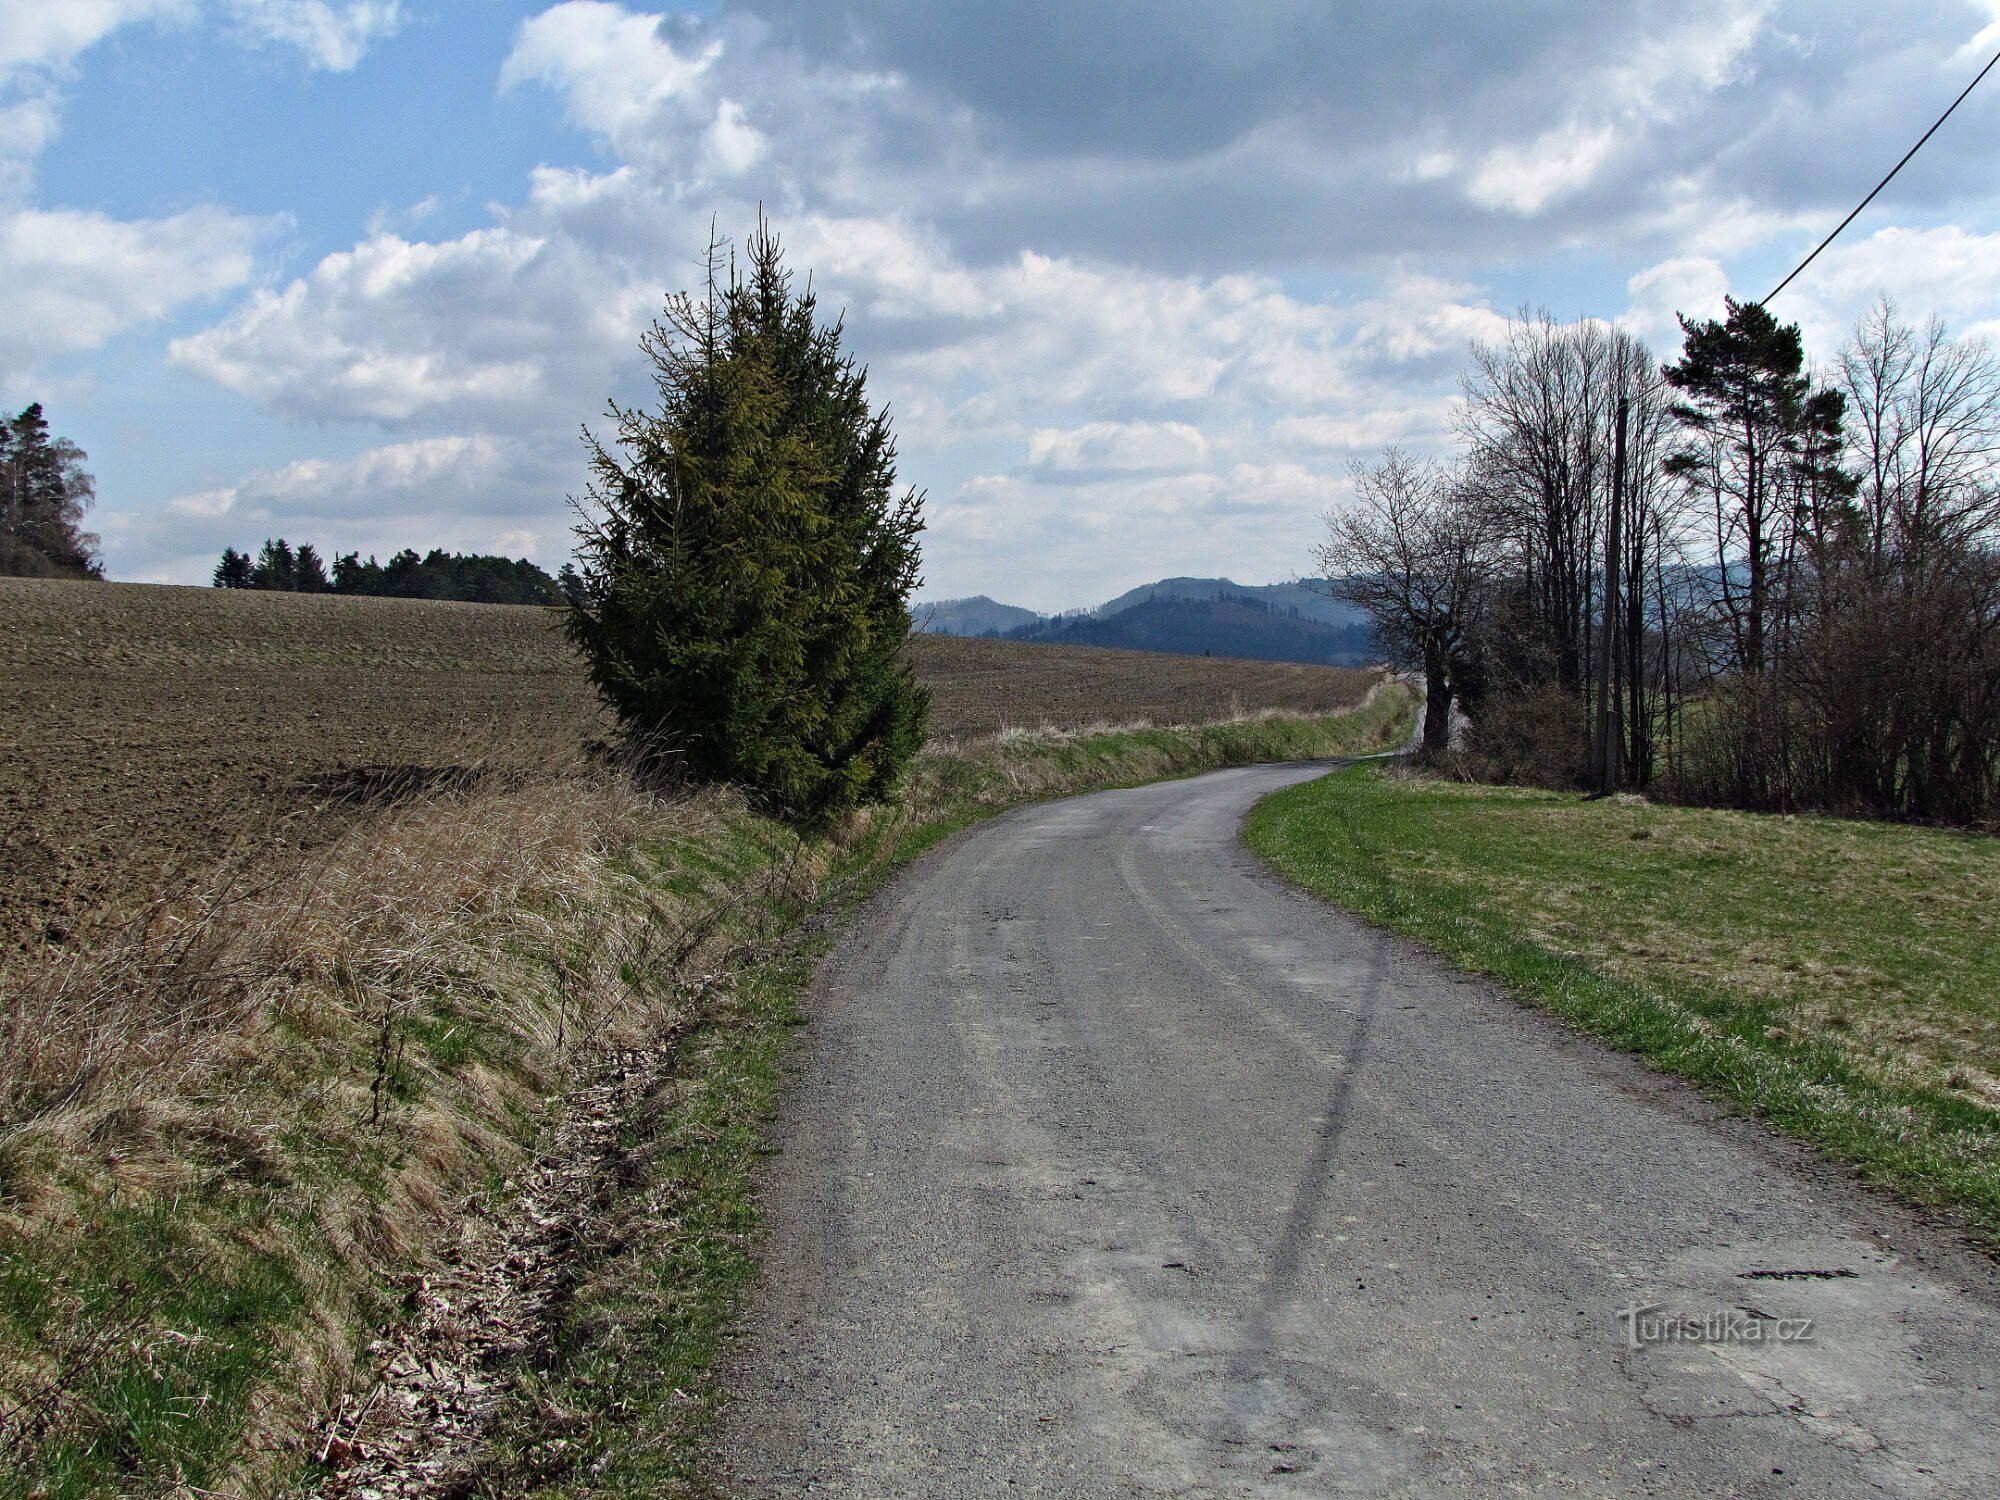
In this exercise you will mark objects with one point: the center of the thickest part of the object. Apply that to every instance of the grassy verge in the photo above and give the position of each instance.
(1840, 979)
(237, 1140)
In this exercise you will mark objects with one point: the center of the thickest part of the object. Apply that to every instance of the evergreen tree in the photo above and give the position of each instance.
(308, 572)
(353, 576)
(276, 567)
(44, 492)
(233, 572)
(1763, 448)
(745, 588)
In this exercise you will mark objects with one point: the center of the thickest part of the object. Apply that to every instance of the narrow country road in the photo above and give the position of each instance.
(1115, 1167)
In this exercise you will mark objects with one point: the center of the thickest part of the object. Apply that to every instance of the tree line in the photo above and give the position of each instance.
(1807, 577)
(475, 579)
(44, 492)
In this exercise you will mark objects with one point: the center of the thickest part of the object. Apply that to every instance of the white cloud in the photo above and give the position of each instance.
(380, 481)
(331, 37)
(1690, 284)
(1109, 314)
(51, 33)
(70, 280)
(1948, 270)
(466, 492)
(1663, 72)
(886, 269)
(395, 331)
(731, 145)
(1523, 179)
(42, 40)
(1117, 447)
(1362, 430)
(613, 67)
(1193, 376)
(1254, 521)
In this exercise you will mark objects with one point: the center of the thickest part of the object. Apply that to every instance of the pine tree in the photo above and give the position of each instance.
(308, 571)
(276, 567)
(1762, 445)
(744, 588)
(233, 571)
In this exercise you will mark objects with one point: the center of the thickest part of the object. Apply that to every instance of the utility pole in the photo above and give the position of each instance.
(1610, 706)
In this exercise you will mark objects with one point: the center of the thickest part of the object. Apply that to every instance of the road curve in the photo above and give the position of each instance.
(1115, 1167)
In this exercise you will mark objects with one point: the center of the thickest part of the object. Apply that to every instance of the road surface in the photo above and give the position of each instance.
(1114, 1166)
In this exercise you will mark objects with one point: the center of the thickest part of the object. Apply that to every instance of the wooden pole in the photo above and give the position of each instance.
(1610, 705)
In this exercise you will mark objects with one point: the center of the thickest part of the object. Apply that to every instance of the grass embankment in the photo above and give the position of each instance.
(1839, 978)
(244, 1140)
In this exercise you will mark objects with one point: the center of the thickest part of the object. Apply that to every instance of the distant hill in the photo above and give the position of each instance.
(1307, 596)
(1228, 622)
(978, 615)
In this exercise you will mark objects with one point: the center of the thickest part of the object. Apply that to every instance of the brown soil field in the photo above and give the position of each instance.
(980, 686)
(149, 732)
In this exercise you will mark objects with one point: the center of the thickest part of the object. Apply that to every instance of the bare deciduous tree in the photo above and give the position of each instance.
(1417, 555)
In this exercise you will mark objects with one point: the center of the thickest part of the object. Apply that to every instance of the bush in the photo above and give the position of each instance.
(1530, 736)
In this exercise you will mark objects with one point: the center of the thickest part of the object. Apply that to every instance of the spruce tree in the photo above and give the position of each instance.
(233, 571)
(276, 567)
(746, 566)
(309, 571)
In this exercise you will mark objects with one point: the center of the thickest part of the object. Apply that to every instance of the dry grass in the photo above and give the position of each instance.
(284, 1093)
(232, 1133)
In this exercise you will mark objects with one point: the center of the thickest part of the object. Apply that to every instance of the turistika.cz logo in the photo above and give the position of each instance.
(1652, 1324)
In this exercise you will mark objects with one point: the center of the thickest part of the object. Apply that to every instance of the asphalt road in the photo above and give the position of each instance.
(1113, 1166)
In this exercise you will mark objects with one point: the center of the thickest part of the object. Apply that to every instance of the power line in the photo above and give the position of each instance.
(1885, 181)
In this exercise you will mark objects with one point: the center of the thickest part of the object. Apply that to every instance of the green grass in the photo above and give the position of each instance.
(196, 1344)
(1841, 979)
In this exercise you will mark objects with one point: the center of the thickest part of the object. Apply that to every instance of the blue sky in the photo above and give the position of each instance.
(1140, 278)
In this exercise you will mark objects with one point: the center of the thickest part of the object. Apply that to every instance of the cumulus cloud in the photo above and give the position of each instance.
(378, 482)
(39, 44)
(1521, 179)
(70, 280)
(1690, 284)
(1948, 270)
(1108, 448)
(51, 34)
(614, 69)
(42, 40)
(330, 37)
(1123, 272)
(395, 332)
